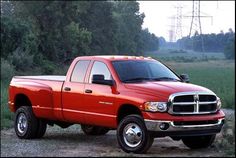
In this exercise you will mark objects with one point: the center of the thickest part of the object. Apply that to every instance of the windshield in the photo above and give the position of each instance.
(139, 71)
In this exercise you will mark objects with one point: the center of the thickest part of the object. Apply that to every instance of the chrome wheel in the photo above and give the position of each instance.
(132, 135)
(22, 123)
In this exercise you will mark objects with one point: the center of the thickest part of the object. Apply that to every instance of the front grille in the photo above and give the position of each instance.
(186, 108)
(192, 103)
(207, 98)
(186, 98)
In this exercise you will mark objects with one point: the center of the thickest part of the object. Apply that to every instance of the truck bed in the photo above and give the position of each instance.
(44, 77)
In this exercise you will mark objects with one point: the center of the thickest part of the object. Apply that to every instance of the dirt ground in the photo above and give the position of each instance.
(72, 142)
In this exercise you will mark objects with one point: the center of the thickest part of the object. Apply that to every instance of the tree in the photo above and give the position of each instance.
(128, 21)
(50, 33)
(229, 50)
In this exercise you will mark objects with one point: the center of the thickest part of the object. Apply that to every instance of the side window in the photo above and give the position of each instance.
(99, 68)
(79, 71)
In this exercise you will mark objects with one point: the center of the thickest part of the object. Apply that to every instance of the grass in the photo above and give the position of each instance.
(184, 55)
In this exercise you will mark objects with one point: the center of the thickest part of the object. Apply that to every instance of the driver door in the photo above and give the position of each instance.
(99, 99)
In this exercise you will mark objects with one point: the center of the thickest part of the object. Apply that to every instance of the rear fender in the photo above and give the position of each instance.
(39, 95)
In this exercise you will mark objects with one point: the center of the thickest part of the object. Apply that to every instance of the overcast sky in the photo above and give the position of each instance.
(157, 15)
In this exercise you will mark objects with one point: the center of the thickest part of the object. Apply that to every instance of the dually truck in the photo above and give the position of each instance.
(139, 97)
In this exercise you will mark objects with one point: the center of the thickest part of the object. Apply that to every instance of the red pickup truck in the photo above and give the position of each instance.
(140, 97)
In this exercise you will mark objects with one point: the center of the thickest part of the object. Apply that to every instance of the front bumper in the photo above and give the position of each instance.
(154, 126)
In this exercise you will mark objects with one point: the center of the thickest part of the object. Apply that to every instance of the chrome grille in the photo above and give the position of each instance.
(192, 103)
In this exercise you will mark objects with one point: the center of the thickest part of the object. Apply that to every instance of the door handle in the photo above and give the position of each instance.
(88, 91)
(67, 89)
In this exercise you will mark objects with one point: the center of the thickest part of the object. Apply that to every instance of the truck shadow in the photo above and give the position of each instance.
(108, 142)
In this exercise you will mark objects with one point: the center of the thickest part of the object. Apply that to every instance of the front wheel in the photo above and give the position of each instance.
(196, 142)
(133, 136)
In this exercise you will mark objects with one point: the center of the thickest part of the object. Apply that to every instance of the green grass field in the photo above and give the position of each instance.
(217, 75)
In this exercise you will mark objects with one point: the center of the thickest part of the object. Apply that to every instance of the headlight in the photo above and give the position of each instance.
(218, 104)
(156, 106)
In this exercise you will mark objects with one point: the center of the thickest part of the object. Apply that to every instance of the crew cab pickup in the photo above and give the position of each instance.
(139, 97)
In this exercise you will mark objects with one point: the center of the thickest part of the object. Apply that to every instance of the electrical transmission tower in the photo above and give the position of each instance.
(175, 31)
(195, 27)
(172, 30)
(179, 17)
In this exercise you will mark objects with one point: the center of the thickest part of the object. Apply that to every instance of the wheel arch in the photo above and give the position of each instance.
(21, 99)
(127, 109)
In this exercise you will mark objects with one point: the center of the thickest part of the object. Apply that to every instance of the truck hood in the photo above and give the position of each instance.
(165, 88)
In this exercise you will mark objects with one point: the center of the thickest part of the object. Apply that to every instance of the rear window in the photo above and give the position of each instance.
(79, 71)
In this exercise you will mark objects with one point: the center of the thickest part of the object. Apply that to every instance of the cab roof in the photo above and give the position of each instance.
(116, 57)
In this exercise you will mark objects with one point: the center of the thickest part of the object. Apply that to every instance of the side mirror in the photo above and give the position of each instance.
(99, 79)
(185, 77)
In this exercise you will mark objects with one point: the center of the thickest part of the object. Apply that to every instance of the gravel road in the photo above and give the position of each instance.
(72, 142)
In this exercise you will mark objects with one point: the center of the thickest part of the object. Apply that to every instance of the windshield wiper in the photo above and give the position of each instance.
(136, 79)
(165, 79)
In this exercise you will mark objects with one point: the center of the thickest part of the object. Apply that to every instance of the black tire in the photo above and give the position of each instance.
(42, 126)
(94, 130)
(25, 123)
(136, 123)
(197, 142)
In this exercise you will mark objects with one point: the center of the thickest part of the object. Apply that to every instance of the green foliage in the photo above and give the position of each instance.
(36, 34)
(16, 34)
(148, 42)
(229, 50)
(7, 70)
(6, 115)
(76, 40)
(212, 42)
(21, 60)
(178, 51)
(48, 67)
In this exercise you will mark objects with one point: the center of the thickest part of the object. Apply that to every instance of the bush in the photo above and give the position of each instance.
(7, 70)
(178, 51)
(229, 50)
(21, 60)
(48, 67)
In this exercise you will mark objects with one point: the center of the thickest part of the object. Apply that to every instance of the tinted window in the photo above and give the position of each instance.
(80, 71)
(146, 70)
(99, 68)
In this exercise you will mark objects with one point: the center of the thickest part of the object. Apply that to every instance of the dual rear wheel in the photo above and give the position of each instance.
(26, 125)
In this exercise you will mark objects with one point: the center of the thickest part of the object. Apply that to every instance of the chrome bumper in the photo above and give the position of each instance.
(154, 125)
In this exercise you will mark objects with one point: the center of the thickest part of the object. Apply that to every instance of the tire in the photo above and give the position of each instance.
(133, 124)
(197, 142)
(94, 130)
(25, 123)
(42, 126)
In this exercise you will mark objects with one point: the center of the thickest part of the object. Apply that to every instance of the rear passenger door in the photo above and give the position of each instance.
(72, 93)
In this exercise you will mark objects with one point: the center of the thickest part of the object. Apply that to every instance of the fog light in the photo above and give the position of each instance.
(164, 126)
